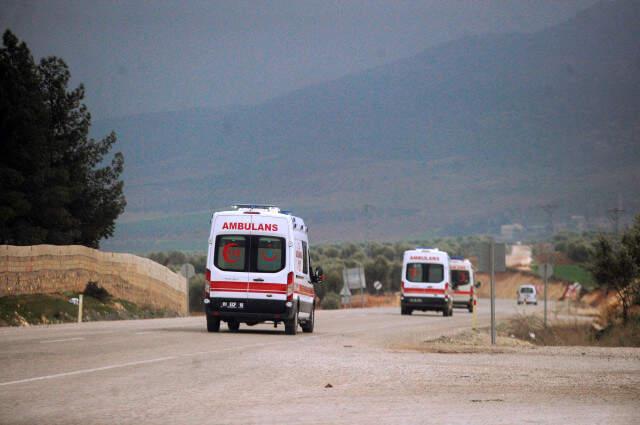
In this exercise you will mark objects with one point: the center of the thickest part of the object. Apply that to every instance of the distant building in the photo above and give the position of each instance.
(511, 232)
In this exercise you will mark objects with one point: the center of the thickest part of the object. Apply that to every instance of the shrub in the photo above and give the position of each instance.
(331, 301)
(94, 290)
(196, 293)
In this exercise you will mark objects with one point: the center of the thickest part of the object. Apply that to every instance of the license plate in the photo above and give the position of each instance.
(232, 305)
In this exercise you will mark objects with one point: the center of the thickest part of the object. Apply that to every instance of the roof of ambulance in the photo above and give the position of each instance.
(260, 212)
(460, 260)
(424, 251)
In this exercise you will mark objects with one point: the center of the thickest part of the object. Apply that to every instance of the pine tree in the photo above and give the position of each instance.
(54, 185)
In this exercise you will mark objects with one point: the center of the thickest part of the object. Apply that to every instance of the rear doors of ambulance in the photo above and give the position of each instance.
(462, 282)
(229, 253)
(269, 263)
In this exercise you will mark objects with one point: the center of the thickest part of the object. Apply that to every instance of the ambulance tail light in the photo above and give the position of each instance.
(290, 282)
(446, 286)
(207, 279)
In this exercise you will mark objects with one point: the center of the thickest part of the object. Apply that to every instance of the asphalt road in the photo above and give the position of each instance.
(171, 371)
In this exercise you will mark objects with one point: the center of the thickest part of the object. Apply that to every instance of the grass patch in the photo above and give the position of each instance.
(37, 309)
(572, 273)
(577, 333)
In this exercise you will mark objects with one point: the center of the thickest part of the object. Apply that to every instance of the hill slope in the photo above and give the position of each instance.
(463, 136)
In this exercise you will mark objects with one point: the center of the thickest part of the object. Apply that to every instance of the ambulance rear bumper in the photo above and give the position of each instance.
(462, 303)
(424, 303)
(248, 310)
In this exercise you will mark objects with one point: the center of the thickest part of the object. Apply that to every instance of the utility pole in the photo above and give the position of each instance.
(492, 274)
(367, 209)
(614, 216)
(549, 209)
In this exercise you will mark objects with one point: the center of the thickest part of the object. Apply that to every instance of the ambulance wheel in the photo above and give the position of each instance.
(291, 326)
(308, 325)
(233, 325)
(470, 307)
(213, 324)
(405, 311)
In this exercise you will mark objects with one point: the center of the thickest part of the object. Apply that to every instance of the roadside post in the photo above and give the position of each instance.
(545, 271)
(491, 259)
(80, 299)
(345, 295)
(188, 271)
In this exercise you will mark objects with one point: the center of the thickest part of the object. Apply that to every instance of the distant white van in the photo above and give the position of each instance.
(527, 294)
(425, 282)
(462, 282)
(258, 270)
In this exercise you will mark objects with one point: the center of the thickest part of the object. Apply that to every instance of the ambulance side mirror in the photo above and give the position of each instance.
(477, 285)
(318, 275)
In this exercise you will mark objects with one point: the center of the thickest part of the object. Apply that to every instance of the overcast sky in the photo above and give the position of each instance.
(136, 56)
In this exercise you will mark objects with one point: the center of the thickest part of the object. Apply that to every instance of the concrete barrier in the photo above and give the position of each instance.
(41, 269)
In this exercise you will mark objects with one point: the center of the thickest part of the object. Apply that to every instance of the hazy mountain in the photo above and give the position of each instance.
(474, 132)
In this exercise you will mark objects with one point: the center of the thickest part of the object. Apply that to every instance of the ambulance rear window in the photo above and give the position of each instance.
(424, 272)
(270, 255)
(459, 277)
(231, 253)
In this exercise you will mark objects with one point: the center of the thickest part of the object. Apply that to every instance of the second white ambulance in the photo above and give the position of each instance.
(258, 270)
(426, 282)
(462, 282)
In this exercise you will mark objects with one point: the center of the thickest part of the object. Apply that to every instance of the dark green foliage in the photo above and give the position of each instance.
(616, 266)
(175, 259)
(331, 301)
(196, 293)
(93, 289)
(54, 185)
(576, 246)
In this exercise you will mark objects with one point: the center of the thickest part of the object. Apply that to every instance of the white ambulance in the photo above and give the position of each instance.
(462, 283)
(426, 282)
(258, 270)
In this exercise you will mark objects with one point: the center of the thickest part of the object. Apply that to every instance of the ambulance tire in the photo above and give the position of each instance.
(448, 312)
(405, 311)
(291, 326)
(307, 326)
(213, 324)
(470, 307)
(233, 325)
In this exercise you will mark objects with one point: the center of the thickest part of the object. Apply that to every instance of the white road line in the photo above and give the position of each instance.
(47, 341)
(83, 371)
(141, 362)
